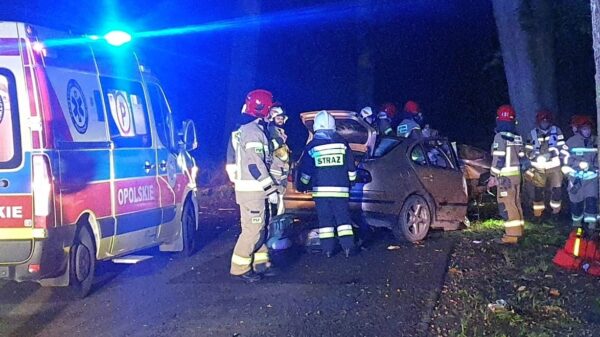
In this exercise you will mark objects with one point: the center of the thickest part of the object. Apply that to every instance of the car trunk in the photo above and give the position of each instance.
(360, 138)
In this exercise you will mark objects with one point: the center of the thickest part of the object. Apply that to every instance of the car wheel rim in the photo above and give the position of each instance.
(82, 262)
(417, 218)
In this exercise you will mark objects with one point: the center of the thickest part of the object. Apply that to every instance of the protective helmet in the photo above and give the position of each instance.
(382, 115)
(323, 121)
(579, 121)
(277, 110)
(506, 113)
(412, 107)
(258, 103)
(389, 108)
(366, 112)
(543, 115)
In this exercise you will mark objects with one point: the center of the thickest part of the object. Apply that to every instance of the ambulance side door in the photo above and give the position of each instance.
(135, 192)
(166, 157)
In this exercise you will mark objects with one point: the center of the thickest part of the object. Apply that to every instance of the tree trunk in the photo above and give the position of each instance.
(365, 82)
(595, 6)
(526, 40)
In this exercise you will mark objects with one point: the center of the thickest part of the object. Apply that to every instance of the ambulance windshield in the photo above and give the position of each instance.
(10, 152)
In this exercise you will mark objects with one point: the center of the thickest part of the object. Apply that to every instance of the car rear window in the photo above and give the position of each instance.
(10, 137)
(350, 129)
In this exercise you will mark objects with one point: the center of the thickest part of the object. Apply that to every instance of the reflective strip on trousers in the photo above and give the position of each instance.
(344, 230)
(539, 206)
(514, 223)
(261, 257)
(326, 232)
(555, 204)
(352, 175)
(241, 261)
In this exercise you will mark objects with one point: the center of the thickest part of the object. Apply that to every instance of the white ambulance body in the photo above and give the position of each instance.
(91, 166)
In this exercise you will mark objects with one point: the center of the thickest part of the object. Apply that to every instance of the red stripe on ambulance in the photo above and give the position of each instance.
(14, 210)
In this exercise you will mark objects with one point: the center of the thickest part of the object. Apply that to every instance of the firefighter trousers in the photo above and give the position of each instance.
(334, 217)
(250, 251)
(552, 178)
(583, 195)
(509, 205)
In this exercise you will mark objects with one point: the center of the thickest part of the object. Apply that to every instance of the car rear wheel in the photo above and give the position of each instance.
(82, 263)
(414, 220)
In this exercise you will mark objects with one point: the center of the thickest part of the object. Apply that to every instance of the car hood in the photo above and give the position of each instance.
(359, 135)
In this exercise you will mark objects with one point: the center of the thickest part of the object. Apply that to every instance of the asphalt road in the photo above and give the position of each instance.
(380, 292)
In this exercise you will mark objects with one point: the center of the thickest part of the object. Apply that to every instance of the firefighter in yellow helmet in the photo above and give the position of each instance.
(506, 173)
(247, 168)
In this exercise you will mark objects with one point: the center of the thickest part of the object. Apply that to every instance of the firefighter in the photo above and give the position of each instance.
(384, 124)
(506, 172)
(410, 126)
(543, 150)
(247, 168)
(581, 168)
(280, 159)
(392, 113)
(366, 114)
(328, 165)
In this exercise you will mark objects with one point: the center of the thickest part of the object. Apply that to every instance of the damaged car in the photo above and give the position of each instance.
(407, 185)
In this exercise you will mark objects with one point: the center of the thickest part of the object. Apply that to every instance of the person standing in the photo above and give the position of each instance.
(247, 168)
(328, 165)
(543, 150)
(280, 162)
(506, 173)
(581, 168)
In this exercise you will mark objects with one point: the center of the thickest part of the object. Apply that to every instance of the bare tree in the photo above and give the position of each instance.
(526, 40)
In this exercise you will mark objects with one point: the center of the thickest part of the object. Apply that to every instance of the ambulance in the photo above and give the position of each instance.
(92, 166)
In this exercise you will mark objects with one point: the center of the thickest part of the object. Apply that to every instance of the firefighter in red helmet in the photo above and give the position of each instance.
(506, 173)
(543, 150)
(580, 165)
(411, 122)
(392, 113)
(248, 169)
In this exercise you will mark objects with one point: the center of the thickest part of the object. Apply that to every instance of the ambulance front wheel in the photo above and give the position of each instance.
(414, 220)
(82, 263)
(188, 229)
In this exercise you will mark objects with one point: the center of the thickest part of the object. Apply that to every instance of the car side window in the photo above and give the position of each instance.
(437, 157)
(417, 155)
(162, 115)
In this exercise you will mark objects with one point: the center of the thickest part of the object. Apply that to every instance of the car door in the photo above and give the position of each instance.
(438, 170)
(136, 196)
(166, 157)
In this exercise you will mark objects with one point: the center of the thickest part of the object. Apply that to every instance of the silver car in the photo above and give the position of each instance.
(407, 185)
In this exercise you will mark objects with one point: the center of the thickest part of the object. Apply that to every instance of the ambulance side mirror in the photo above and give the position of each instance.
(189, 138)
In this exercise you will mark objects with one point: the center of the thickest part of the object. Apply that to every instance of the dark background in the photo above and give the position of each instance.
(311, 55)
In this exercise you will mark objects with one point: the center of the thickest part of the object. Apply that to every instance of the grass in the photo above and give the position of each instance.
(483, 271)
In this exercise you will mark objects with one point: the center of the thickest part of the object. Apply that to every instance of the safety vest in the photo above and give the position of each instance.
(580, 157)
(543, 148)
(506, 154)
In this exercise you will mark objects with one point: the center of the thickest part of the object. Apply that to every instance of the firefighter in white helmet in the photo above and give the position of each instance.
(328, 165)
(248, 169)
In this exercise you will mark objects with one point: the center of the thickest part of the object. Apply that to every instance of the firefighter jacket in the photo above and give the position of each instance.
(506, 155)
(580, 157)
(247, 162)
(384, 125)
(543, 148)
(328, 165)
(408, 127)
(280, 154)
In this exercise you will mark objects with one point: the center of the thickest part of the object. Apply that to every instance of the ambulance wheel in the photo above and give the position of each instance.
(188, 229)
(414, 220)
(82, 263)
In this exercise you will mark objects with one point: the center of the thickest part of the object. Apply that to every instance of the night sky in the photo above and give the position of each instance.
(443, 54)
